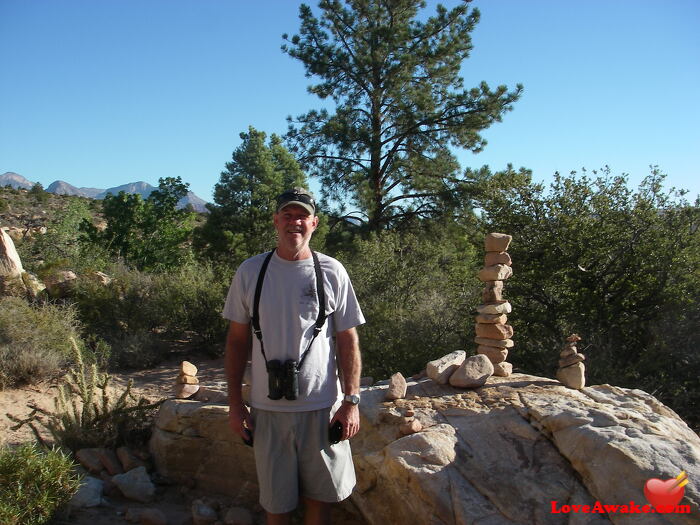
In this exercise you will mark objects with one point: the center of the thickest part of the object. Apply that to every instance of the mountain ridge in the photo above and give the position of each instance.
(60, 187)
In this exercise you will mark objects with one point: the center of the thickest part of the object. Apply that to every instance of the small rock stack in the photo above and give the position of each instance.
(187, 383)
(493, 335)
(572, 372)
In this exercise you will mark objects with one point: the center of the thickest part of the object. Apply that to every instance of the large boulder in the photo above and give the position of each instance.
(498, 454)
(11, 270)
(193, 444)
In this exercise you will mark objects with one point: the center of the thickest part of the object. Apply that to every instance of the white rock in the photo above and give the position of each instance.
(397, 387)
(89, 494)
(473, 373)
(136, 485)
(503, 307)
(441, 369)
(573, 376)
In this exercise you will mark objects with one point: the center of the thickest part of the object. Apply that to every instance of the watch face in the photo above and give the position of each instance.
(353, 398)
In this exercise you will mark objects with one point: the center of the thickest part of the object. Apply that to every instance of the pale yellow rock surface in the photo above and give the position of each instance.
(494, 455)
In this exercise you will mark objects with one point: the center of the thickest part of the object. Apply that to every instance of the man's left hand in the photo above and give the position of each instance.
(349, 416)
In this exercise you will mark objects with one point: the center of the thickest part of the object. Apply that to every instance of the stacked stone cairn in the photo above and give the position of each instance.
(493, 335)
(572, 372)
(187, 383)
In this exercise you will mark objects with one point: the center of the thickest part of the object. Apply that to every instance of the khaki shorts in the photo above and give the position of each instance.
(293, 457)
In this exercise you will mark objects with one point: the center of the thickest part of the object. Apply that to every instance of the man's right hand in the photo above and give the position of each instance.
(239, 420)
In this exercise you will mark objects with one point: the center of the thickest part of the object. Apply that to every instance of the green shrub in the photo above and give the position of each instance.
(34, 484)
(137, 311)
(414, 292)
(126, 305)
(190, 302)
(34, 340)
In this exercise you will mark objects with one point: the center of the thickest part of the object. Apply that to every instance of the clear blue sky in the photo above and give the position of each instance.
(101, 93)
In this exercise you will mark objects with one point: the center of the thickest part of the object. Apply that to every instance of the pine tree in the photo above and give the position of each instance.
(400, 105)
(240, 220)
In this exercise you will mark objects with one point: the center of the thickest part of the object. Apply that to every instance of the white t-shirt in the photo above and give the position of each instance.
(288, 311)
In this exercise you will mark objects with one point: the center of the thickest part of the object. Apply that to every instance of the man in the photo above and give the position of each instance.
(290, 430)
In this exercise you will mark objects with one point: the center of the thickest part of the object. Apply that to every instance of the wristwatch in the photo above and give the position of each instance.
(353, 399)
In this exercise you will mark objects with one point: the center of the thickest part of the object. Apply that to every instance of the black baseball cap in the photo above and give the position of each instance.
(299, 196)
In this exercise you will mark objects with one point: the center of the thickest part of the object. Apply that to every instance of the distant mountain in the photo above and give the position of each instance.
(15, 180)
(142, 188)
(60, 187)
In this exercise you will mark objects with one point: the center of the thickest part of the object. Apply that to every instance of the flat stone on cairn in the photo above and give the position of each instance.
(186, 384)
(493, 334)
(572, 372)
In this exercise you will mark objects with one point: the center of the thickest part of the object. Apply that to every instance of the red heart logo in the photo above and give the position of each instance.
(662, 493)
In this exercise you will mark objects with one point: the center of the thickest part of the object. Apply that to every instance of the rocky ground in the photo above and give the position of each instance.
(175, 502)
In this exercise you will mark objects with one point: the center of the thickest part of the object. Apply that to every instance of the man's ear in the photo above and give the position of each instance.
(315, 221)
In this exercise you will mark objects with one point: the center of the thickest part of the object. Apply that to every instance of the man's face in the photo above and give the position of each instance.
(294, 226)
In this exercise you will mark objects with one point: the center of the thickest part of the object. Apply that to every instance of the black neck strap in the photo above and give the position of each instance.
(320, 295)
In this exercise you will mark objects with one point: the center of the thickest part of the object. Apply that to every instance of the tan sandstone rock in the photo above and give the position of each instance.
(492, 318)
(188, 368)
(497, 272)
(499, 343)
(411, 427)
(497, 242)
(492, 258)
(494, 331)
(495, 354)
(571, 359)
(187, 380)
(183, 390)
(493, 292)
(502, 369)
(90, 459)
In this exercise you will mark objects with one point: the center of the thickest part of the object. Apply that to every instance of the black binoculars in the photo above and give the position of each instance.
(282, 379)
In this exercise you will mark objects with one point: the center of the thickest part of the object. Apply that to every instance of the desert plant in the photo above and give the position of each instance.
(89, 413)
(34, 484)
(34, 340)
